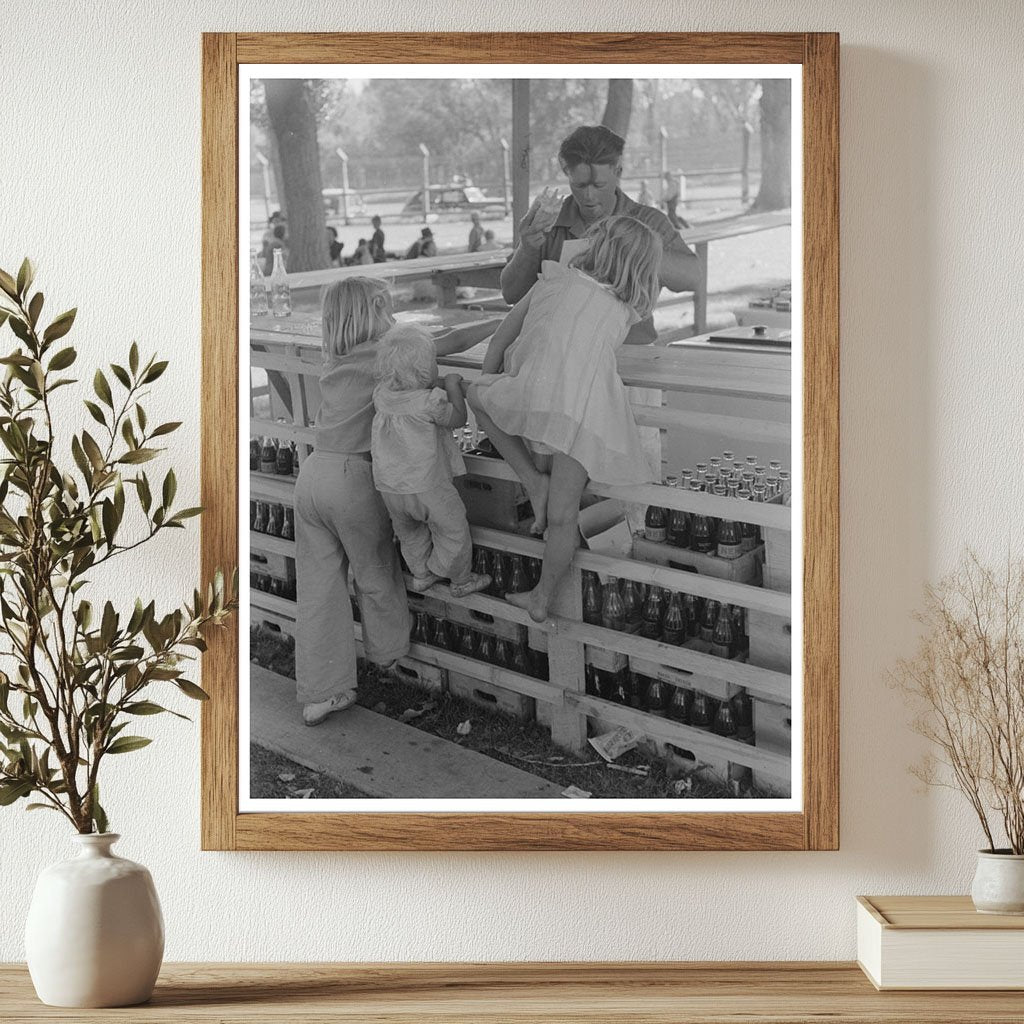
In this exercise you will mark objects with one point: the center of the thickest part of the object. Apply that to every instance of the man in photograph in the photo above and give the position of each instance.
(591, 158)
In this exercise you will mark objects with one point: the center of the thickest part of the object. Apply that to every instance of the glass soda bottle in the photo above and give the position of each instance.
(499, 582)
(679, 527)
(701, 538)
(517, 581)
(680, 703)
(725, 721)
(634, 606)
(268, 456)
(673, 629)
(481, 562)
(502, 655)
(485, 649)
(439, 635)
(748, 531)
(691, 615)
(730, 539)
(257, 287)
(701, 714)
(723, 640)
(280, 290)
(259, 523)
(656, 524)
(743, 712)
(254, 455)
(283, 462)
(520, 659)
(467, 642)
(295, 459)
(591, 600)
(275, 520)
(613, 611)
(651, 627)
(739, 628)
(709, 620)
(421, 631)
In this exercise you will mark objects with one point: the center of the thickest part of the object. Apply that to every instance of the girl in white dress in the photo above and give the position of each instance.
(559, 413)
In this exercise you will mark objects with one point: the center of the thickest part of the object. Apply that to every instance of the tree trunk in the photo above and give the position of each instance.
(774, 193)
(618, 106)
(293, 123)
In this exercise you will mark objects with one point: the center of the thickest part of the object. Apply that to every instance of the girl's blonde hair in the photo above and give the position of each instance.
(355, 310)
(625, 254)
(406, 359)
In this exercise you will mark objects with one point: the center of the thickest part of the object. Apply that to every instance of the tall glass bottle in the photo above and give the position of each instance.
(679, 526)
(673, 629)
(268, 456)
(520, 660)
(467, 642)
(481, 562)
(502, 655)
(651, 627)
(656, 524)
(680, 703)
(518, 581)
(691, 615)
(723, 640)
(280, 290)
(748, 531)
(708, 620)
(701, 713)
(485, 649)
(613, 611)
(257, 287)
(499, 581)
(283, 462)
(656, 697)
(701, 538)
(634, 606)
(730, 539)
(591, 599)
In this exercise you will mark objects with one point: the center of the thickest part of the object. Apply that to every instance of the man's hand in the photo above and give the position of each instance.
(541, 215)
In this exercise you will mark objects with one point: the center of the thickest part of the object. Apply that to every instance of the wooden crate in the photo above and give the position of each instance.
(778, 553)
(427, 604)
(484, 623)
(498, 504)
(771, 641)
(773, 730)
(420, 674)
(745, 569)
(491, 696)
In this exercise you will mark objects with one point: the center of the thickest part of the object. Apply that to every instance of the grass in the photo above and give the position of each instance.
(524, 745)
(273, 777)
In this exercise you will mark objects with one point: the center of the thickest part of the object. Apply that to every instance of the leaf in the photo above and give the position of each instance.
(63, 359)
(20, 328)
(102, 388)
(140, 415)
(92, 449)
(133, 358)
(170, 487)
(128, 433)
(145, 498)
(99, 817)
(26, 274)
(95, 412)
(84, 614)
(109, 522)
(8, 285)
(143, 707)
(166, 428)
(185, 513)
(154, 372)
(11, 791)
(126, 744)
(60, 326)
(138, 455)
(121, 374)
(41, 807)
(35, 308)
(191, 690)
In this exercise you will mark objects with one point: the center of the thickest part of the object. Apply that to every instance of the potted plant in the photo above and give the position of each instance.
(82, 671)
(967, 682)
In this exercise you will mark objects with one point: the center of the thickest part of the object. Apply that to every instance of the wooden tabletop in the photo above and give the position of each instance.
(781, 993)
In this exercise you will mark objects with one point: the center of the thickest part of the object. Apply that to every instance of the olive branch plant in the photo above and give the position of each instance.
(966, 681)
(80, 674)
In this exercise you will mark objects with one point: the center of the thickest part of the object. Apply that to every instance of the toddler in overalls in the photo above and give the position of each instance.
(415, 458)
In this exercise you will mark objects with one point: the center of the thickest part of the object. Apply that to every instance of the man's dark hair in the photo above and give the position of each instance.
(591, 144)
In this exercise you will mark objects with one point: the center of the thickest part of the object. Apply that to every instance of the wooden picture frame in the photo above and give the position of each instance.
(816, 826)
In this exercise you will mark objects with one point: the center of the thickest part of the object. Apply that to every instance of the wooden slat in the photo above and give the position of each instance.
(729, 428)
(731, 227)
(516, 993)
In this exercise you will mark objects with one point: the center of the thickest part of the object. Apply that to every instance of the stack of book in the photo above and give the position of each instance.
(938, 942)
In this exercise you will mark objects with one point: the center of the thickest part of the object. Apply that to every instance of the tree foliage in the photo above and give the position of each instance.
(84, 672)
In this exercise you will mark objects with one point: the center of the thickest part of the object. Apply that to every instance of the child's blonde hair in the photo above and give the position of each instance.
(355, 310)
(625, 254)
(406, 359)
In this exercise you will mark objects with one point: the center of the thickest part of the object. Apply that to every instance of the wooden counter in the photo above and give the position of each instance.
(616, 993)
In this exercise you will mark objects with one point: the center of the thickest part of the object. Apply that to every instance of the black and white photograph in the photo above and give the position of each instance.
(524, 374)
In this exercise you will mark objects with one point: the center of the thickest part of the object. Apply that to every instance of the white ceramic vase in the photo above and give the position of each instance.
(95, 934)
(999, 883)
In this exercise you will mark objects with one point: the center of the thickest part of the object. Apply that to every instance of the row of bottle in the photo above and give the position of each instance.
(722, 477)
(270, 584)
(663, 615)
(269, 295)
(272, 519)
(510, 574)
(733, 718)
(272, 457)
(472, 643)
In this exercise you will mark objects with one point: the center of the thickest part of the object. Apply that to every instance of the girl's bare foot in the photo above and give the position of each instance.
(531, 601)
(539, 500)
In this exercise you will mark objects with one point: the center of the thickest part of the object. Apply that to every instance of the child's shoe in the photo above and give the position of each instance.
(472, 584)
(314, 714)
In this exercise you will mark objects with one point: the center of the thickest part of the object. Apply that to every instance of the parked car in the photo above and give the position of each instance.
(454, 197)
(332, 201)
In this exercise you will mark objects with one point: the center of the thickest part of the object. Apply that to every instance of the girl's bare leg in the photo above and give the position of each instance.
(518, 456)
(568, 478)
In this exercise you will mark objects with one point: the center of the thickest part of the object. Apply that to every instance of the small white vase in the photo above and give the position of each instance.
(95, 934)
(999, 883)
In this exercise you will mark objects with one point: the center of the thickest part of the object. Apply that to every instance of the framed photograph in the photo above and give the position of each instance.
(531, 344)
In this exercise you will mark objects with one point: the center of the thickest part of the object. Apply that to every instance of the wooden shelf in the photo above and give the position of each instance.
(525, 993)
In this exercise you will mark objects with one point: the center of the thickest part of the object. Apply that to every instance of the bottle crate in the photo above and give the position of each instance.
(745, 569)
(491, 696)
(482, 622)
(771, 640)
(773, 731)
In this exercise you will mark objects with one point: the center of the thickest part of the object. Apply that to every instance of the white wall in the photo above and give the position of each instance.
(100, 183)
